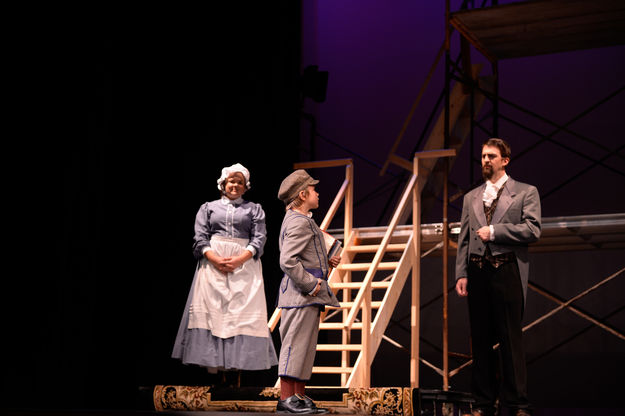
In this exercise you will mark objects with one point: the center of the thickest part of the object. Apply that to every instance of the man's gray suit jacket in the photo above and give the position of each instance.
(516, 222)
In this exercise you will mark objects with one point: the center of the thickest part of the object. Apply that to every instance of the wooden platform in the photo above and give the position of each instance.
(375, 400)
(542, 26)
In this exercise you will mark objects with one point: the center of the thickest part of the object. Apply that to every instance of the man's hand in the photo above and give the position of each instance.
(461, 287)
(484, 233)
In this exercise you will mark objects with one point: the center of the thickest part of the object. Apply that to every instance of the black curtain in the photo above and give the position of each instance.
(94, 306)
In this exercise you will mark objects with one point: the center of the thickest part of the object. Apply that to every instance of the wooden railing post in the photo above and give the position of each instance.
(349, 200)
(415, 309)
(366, 338)
(416, 271)
(445, 280)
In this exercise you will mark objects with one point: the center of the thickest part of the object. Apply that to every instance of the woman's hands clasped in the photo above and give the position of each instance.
(228, 264)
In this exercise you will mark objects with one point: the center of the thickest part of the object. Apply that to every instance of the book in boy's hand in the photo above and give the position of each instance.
(332, 244)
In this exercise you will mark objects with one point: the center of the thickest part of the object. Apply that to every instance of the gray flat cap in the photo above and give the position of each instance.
(297, 181)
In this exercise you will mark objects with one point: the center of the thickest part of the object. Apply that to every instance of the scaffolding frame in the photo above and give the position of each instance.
(568, 238)
(523, 43)
(597, 24)
(528, 13)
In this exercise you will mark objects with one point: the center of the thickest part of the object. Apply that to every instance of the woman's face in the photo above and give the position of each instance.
(234, 185)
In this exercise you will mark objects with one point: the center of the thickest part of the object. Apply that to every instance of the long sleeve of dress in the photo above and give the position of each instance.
(258, 230)
(230, 219)
(202, 229)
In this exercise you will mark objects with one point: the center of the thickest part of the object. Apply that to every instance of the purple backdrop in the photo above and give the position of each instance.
(377, 55)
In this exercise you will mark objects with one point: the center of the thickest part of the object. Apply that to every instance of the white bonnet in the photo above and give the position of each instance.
(237, 167)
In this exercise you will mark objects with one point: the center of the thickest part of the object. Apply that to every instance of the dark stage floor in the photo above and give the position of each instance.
(94, 412)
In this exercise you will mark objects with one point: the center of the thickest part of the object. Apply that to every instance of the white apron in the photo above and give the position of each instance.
(232, 304)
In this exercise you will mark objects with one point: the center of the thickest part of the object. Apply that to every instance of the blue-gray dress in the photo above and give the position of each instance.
(224, 324)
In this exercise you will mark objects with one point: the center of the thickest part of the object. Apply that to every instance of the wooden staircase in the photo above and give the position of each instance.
(368, 296)
(374, 269)
(368, 282)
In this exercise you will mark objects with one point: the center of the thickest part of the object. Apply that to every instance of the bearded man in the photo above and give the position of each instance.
(499, 219)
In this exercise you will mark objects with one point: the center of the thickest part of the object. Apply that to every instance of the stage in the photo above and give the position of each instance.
(165, 400)
(189, 400)
(98, 320)
(375, 400)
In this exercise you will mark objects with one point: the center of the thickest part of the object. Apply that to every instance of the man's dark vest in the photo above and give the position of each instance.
(500, 259)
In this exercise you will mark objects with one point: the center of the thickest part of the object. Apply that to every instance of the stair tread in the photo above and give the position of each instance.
(332, 370)
(347, 305)
(372, 248)
(384, 265)
(357, 285)
(339, 347)
(338, 325)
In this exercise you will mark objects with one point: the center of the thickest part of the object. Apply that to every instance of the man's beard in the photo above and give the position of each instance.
(487, 172)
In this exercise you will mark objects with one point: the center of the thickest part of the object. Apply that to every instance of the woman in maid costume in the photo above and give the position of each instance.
(224, 324)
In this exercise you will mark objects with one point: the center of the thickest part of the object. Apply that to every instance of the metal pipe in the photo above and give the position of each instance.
(545, 293)
(445, 276)
(496, 100)
(570, 149)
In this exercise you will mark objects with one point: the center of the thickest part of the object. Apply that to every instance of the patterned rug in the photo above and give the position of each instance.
(373, 401)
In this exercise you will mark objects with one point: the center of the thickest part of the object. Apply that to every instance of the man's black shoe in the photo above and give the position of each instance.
(294, 404)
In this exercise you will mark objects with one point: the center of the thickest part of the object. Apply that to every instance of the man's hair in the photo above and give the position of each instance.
(501, 144)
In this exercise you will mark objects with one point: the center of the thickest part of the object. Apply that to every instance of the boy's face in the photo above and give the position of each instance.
(312, 200)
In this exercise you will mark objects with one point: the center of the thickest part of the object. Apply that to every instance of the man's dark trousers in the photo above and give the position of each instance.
(495, 314)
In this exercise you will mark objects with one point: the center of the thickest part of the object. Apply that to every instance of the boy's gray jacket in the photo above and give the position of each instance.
(304, 260)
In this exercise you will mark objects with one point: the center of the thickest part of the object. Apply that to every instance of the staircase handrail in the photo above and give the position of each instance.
(363, 297)
(373, 268)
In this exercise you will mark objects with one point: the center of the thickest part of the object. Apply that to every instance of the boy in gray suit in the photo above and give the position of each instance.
(304, 290)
